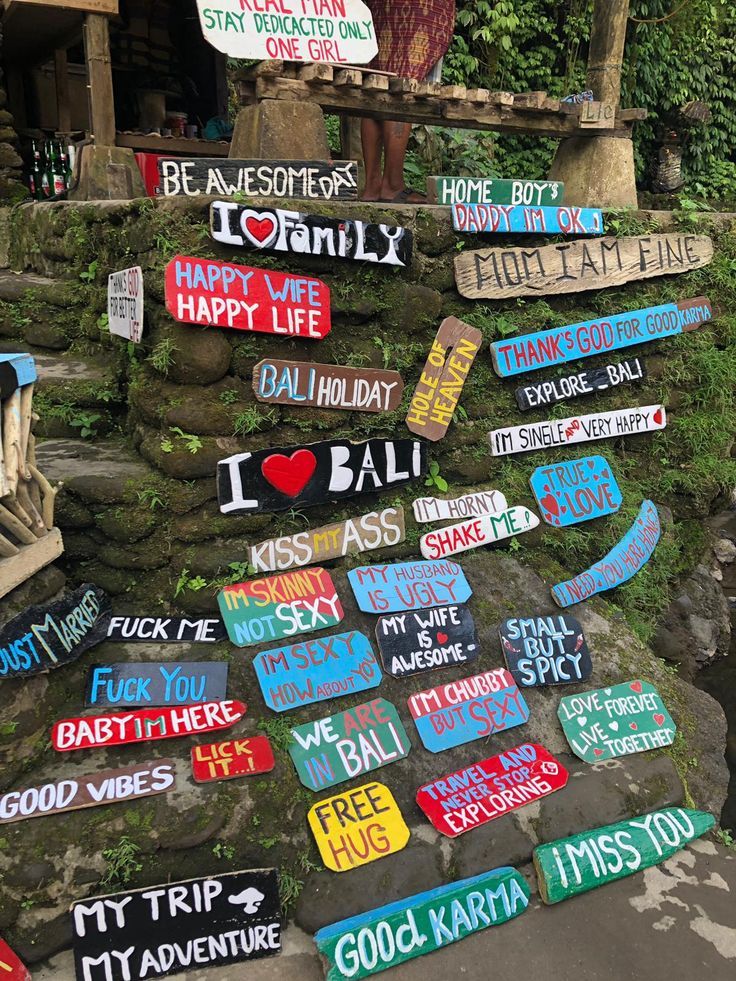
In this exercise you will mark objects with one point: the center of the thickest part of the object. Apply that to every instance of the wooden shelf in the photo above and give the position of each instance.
(30, 559)
(173, 145)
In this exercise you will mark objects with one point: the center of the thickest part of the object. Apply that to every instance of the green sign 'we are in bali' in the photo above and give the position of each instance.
(374, 941)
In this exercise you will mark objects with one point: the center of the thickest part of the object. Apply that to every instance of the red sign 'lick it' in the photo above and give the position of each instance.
(221, 294)
(120, 728)
(234, 758)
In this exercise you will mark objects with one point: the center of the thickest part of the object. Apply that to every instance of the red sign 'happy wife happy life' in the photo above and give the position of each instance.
(222, 294)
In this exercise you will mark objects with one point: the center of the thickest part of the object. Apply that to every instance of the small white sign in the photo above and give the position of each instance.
(333, 31)
(486, 530)
(577, 429)
(125, 303)
(473, 505)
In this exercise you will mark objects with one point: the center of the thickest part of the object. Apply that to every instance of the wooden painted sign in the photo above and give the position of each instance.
(473, 505)
(155, 683)
(468, 709)
(576, 490)
(299, 476)
(348, 745)
(316, 180)
(358, 827)
(292, 231)
(514, 356)
(16, 370)
(379, 529)
(481, 792)
(281, 606)
(221, 294)
(574, 865)
(46, 637)
(335, 31)
(105, 787)
(528, 220)
(618, 721)
(424, 640)
(372, 942)
(553, 390)
(165, 929)
(624, 560)
(577, 429)
(245, 757)
(166, 630)
(472, 534)
(408, 586)
(569, 267)
(12, 967)
(490, 190)
(315, 670)
(327, 386)
(125, 303)
(545, 650)
(144, 725)
(440, 385)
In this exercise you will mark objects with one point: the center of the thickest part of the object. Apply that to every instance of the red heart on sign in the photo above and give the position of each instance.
(550, 504)
(442, 638)
(659, 719)
(259, 228)
(633, 725)
(636, 686)
(598, 752)
(289, 474)
(658, 417)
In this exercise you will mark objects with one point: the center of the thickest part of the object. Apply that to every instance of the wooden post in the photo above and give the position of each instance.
(606, 49)
(63, 108)
(99, 84)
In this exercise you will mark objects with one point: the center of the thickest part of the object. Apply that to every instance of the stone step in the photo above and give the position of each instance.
(13, 285)
(74, 460)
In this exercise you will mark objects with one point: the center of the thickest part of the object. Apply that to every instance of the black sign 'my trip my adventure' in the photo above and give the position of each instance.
(423, 640)
(45, 637)
(177, 926)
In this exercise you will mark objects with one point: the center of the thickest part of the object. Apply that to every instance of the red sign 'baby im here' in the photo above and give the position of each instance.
(222, 294)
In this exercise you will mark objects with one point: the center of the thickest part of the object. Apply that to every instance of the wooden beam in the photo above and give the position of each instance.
(63, 108)
(88, 6)
(16, 570)
(99, 73)
(606, 50)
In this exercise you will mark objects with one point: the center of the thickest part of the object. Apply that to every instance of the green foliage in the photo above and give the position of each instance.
(151, 498)
(122, 863)
(228, 396)
(162, 356)
(278, 731)
(191, 442)
(250, 421)
(434, 479)
(220, 850)
(89, 274)
(185, 581)
(85, 422)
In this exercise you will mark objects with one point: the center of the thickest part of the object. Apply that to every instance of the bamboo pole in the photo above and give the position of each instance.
(14, 525)
(7, 548)
(48, 495)
(11, 439)
(24, 499)
(26, 414)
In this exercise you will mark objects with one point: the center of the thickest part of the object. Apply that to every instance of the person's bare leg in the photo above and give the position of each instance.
(371, 134)
(395, 141)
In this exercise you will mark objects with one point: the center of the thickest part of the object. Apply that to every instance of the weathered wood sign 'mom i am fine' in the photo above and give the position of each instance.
(317, 180)
(316, 670)
(408, 586)
(220, 294)
(245, 757)
(577, 429)
(278, 607)
(291, 231)
(122, 728)
(475, 505)
(376, 530)
(628, 718)
(624, 560)
(348, 745)
(105, 787)
(489, 190)
(500, 218)
(486, 790)
(553, 390)
(582, 862)
(335, 31)
(559, 345)
(357, 827)
(130, 683)
(570, 267)
(424, 640)
(290, 476)
(545, 650)
(469, 709)
(576, 490)
(160, 930)
(440, 385)
(472, 534)
(327, 386)
(46, 637)
(420, 924)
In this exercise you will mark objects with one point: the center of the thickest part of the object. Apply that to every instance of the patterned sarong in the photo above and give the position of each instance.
(412, 34)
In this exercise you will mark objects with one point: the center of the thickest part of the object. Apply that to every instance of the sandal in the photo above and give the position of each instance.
(403, 197)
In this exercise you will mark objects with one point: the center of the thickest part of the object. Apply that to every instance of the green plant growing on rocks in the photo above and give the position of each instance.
(195, 584)
(85, 422)
(229, 396)
(434, 478)
(89, 274)
(151, 498)
(221, 850)
(162, 356)
(249, 421)
(122, 863)
(191, 442)
(278, 731)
